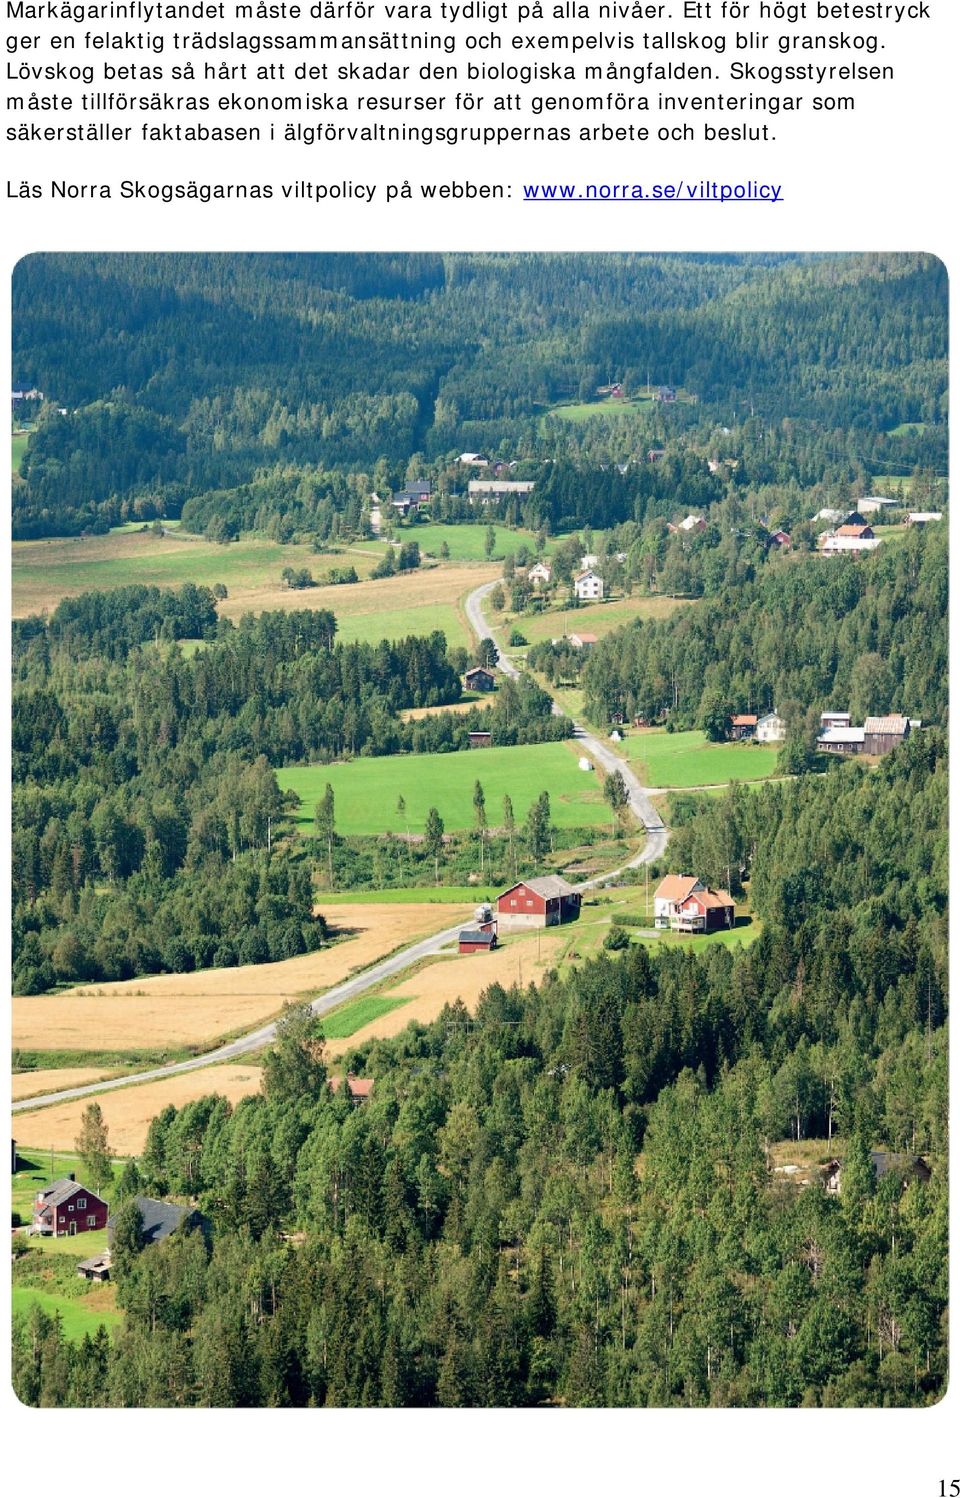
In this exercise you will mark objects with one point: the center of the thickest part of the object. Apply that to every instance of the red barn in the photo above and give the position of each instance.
(478, 939)
(65, 1207)
(538, 902)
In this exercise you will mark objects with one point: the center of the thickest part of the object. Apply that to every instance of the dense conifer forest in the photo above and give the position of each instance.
(568, 1197)
(269, 381)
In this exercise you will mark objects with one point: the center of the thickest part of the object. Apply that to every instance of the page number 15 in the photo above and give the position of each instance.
(950, 1489)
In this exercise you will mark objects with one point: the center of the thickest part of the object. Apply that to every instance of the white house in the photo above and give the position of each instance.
(540, 573)
(670, 895)
(924, 517)
(692, 523)
(588, 584)
(874, 506)
(771, 729)
(476, 460)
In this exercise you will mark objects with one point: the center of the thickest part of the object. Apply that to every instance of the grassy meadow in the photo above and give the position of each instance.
(687, 759)
(467, 543)
(596, 619)
(366, 791)
(45, 571)
(18, 446)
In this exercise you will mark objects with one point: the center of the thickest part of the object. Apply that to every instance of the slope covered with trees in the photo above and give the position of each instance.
(263, 382)
(569, 1198)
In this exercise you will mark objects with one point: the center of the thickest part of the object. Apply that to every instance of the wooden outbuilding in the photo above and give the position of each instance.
(478, 939)
(549, 901)
(479, 679)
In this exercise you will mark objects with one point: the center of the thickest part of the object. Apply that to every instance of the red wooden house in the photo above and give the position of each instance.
(705, 910)
(65, 1208)
(538, 902)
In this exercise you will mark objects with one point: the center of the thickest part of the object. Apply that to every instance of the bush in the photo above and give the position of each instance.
(516, 638)
(616, 940)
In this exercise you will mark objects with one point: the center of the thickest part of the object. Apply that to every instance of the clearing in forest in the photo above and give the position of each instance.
(197, 1009)
(597, 619)
(366, 790)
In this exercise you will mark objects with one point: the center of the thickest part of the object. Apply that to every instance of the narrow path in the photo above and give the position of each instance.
(639, 802)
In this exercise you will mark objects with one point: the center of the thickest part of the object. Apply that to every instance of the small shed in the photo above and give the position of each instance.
(480, 738)
(743, 726)
(97, 1267)
(478, 939)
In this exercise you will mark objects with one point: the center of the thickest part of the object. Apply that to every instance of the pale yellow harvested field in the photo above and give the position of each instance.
(175, 1009)
(452, 978)
(412, 714)
(128, 1110)
(52, 1078)
(421, 590)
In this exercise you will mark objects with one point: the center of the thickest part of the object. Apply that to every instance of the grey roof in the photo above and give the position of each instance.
(96, 1261)
(160, 1219)
(550, 886)
(486, 937)
(892, 723)
(890, 1160)
(58, 1191)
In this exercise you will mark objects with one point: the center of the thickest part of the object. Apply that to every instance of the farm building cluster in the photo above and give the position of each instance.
(877, 735)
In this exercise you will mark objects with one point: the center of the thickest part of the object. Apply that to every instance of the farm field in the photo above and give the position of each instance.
(127, 1111)
(389, 608)
(53, 1078)
(80, 1316)
(467, 543)
(687, 759)
(196, 1009)
(597, 619)
(45, 571)
(600, 410)
(443, 894)
(366, 790)
(467, 703)
(423, 995)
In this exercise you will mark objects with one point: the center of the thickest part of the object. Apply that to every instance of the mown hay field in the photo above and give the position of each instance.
(45, 571)
(410, 603)
(596, 619)
(197, 1009)
(52, 1078)
(127, 1111)
(366, 791)
(450, 978)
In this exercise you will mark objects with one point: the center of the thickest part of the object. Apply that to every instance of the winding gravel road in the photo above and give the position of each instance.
(639, 802)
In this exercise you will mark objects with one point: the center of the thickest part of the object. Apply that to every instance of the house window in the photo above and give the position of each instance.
(81, 1203)
(529, 904)
(70, 1208)
(91, 1222)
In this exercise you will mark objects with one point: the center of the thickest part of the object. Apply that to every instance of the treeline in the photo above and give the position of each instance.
(569, 1197)
(110, 624)
(198, 375)
(867, 636)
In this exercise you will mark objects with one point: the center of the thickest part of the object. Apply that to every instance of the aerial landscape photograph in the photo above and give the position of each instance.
(479, 830)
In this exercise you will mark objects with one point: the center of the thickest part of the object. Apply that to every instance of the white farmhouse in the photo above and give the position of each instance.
(771, 729)
(588, 585)
(540, 574)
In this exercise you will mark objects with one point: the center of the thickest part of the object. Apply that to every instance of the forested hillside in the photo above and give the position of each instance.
(569, 1198)
(182, 374)
(869, 636)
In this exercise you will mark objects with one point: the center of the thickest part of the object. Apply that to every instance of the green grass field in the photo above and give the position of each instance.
(348, 1019)
(687, 759)
(18, 443)
(394, 624)
(598, 619)
(78, 1319)
(43, 572)
(445, 894)
(600, 410)
(366, 790)
(467, 543)
(906, 427)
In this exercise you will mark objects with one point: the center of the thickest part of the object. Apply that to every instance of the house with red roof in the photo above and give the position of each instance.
(682, 902)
